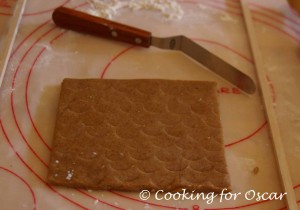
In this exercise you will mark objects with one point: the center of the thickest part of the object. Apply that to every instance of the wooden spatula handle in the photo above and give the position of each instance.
(85, 23)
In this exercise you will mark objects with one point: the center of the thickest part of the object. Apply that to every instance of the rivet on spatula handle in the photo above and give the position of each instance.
(85, 23)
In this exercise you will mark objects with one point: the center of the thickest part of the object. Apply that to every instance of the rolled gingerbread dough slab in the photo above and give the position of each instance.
(139, 134)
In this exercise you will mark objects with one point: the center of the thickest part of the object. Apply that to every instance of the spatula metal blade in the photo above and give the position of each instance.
(207, 59)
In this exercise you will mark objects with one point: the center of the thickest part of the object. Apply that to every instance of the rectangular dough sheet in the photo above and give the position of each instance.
(138, 134)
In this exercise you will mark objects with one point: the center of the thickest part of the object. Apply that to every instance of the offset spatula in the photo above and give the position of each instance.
(82, 22)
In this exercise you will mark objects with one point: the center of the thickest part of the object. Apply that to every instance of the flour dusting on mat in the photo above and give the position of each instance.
(105, 8)
(170, 9)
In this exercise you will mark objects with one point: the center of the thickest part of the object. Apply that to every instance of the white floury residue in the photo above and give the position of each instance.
(170, 9)
(69, 175)
(202, 6)
(105, 8)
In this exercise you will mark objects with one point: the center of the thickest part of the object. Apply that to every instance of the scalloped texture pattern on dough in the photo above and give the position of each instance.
(138, 134)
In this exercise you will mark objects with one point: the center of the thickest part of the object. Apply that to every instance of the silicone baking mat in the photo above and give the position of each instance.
(44, 54)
